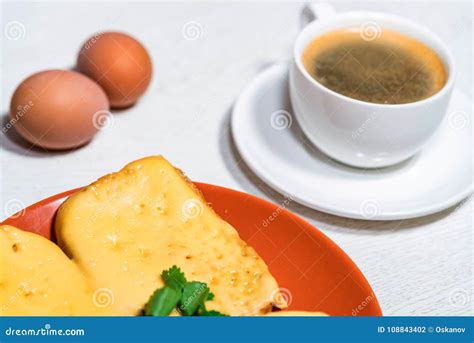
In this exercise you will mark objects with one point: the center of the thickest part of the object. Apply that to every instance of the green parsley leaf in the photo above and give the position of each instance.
(211, 313)
(162, 302)
(174, 278)
(187, 297)
(194, 295)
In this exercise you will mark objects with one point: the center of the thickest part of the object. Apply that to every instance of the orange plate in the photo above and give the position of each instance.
(315, 274)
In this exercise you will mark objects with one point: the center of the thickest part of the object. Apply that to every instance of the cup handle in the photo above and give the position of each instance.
(316, 11)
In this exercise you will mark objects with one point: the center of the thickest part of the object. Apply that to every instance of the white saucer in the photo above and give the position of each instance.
(272, 144)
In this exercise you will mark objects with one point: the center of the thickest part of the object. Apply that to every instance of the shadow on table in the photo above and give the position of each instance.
(11, 141)
(251, 183)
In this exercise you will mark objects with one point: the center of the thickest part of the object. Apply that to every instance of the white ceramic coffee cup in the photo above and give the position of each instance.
(360, 133)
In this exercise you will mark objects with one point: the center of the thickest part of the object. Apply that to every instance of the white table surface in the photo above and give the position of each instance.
(416, 267)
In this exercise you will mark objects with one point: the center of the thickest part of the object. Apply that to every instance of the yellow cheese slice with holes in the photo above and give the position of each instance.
(126, 228)
(38, 279)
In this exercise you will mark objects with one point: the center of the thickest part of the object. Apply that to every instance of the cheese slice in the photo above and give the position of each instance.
(126, 228)
(38, 279)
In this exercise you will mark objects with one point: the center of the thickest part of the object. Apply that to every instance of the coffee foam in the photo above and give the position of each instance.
(429, 73)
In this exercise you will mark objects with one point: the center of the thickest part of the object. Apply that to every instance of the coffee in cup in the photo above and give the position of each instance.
(369, 89)
(386, 68)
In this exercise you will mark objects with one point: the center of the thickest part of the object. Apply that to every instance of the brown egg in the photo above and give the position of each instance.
(119, 63)
(58, 109)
